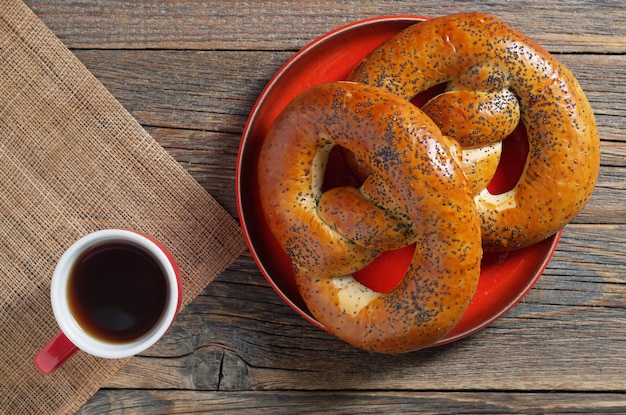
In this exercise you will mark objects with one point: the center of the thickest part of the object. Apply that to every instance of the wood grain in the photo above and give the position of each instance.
(249, 25)
(190, 72)
(350, 402)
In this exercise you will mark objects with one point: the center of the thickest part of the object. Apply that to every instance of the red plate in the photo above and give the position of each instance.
(505, 277)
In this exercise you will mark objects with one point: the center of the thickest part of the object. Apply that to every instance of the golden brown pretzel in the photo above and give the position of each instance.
(480, 56)
(413, 175)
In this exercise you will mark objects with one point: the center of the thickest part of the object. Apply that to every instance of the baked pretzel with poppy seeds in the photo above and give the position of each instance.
(416, 193)
(495, 77)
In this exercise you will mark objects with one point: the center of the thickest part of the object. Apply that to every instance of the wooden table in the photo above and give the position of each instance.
(190, 72)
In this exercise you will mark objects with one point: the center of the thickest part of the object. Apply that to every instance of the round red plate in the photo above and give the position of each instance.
(505, 277)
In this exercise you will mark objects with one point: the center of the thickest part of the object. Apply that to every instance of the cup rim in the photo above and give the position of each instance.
(60, 305)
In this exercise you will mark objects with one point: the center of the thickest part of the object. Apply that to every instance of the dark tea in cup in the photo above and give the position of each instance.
(117, 291)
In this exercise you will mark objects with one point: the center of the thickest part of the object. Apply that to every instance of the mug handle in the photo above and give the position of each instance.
(55, 353)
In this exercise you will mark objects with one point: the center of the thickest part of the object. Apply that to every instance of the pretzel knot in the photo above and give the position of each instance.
(416, 193)
(496, 77)
(368, 216)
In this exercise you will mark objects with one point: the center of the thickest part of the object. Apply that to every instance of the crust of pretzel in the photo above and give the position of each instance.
(413, 175)
(479, 163)
(474, 51)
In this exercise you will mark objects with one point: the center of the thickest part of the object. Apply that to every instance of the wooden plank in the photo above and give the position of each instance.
(368, 402)
(573, 26)
(216, 90)
(239, 335)
(211, 91)
(196, 105)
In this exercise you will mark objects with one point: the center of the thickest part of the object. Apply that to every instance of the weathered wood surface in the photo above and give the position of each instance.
(190, 72)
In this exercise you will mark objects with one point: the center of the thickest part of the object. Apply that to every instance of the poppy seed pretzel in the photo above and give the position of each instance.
(495, 76)
(414, 177)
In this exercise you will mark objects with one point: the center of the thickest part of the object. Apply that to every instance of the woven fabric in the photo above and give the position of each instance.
(72, 161)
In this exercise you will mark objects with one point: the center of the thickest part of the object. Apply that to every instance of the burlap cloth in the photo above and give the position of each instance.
(72, 161)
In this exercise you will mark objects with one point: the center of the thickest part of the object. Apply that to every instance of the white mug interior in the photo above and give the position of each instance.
(60, 302)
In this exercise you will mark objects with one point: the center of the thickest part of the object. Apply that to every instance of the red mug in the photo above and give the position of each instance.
(114, 293)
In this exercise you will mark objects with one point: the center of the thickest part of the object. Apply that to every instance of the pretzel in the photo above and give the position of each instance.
(415, 184)
(491, 67)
